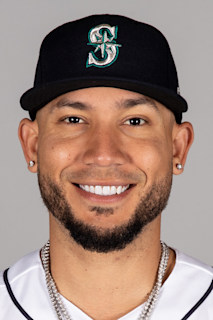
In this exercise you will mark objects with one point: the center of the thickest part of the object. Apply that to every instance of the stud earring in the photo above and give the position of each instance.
(31, 163)
(179, 166)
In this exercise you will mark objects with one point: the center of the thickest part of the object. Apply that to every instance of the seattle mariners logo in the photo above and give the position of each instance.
(106, 50)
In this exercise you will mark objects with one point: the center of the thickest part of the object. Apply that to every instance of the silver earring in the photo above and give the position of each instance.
(31, 163)
(179, 166)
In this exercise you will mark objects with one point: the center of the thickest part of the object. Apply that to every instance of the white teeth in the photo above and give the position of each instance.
(104, 190)
(123, 189)
(91, 189)
(119, 190)
(113, 190)
(98, 190)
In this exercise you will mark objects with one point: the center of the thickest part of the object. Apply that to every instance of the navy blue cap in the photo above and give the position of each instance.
(105, 51)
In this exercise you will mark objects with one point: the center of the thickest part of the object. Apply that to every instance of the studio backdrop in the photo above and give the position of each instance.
(187, 25)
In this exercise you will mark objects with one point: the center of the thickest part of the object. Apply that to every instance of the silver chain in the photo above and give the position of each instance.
(59, 307)
(54, 295)
(150, 303)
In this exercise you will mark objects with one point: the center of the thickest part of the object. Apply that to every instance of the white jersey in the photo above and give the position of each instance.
(186, 294)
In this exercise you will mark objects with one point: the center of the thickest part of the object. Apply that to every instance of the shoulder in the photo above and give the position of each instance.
(193, 271)
(188, 284)
(27, 281)
(22, 268)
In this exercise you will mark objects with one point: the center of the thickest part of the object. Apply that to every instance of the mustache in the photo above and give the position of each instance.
(104, 174)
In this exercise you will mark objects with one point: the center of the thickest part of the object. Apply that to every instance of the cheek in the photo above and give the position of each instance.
(153, 156)
(55, 154)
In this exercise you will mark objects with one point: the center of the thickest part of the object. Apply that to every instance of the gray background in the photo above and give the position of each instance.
(188, 26)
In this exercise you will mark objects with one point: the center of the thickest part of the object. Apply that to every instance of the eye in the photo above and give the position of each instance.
(135, 122)
(73, 120)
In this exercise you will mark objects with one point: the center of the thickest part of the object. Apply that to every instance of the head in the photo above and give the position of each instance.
(106, 146)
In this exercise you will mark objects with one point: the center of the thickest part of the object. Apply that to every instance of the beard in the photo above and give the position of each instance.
(98, 239)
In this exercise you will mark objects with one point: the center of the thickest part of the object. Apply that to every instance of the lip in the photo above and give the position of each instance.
(104, 199)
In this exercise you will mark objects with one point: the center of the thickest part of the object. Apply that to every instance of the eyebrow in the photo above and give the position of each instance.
(124, 104)
(72, 104)
(129, 103)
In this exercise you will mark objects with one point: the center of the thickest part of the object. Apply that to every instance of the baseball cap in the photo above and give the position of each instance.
(105, 51)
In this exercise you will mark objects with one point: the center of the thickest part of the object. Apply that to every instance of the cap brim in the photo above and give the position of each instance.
(36, 98)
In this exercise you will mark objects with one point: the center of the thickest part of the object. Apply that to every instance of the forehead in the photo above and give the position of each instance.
(98, 97)
(105, 101)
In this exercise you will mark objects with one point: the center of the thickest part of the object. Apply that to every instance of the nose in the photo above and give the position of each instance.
(105, 148)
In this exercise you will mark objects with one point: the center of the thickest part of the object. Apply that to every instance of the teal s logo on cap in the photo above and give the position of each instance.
(103, 37)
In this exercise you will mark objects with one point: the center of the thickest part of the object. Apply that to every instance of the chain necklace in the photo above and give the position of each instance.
(59, 307)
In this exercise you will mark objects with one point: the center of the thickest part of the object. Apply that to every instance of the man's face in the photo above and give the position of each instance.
(105, 164)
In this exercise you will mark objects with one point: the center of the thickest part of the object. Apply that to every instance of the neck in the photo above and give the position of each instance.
(106, 286)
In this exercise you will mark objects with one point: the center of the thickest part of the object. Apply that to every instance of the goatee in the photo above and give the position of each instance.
(99, 239)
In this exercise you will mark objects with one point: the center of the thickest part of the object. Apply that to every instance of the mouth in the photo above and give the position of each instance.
(103, 193)
(104, 190)
(107, 190)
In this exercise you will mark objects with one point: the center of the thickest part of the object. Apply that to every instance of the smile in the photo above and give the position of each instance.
(104, 190)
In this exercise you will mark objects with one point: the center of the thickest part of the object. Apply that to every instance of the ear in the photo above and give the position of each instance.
(28, 136)
(183, 136)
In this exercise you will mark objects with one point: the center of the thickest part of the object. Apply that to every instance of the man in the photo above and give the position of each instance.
(105, 138)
